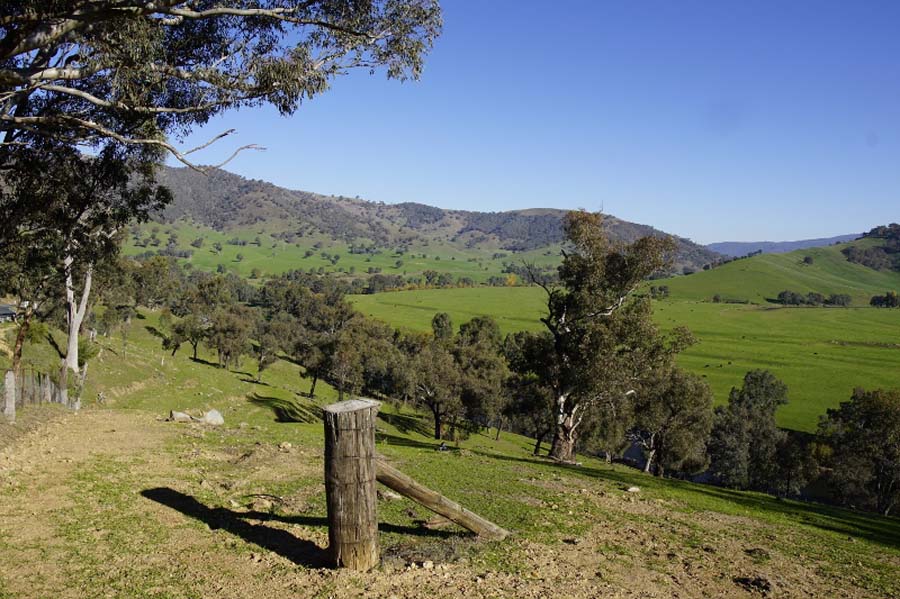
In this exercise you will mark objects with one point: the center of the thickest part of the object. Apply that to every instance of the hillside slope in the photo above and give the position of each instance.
(759, 279)
(226, 202)
(121, 503)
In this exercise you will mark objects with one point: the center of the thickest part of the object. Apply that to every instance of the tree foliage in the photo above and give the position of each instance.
(745, 438)
(131, 72)
(863, 436)
(672, 423)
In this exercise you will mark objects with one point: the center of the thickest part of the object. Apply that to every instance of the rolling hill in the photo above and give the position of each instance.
(759, 279)
(226, 203)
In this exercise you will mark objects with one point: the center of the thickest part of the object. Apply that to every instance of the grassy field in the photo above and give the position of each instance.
(123, 504)
(821, 353)
(274, 256)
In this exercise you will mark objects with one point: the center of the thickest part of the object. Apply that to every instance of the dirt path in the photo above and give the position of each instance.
(118, 504)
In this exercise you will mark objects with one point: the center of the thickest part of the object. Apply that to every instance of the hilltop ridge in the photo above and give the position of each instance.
(224, 201)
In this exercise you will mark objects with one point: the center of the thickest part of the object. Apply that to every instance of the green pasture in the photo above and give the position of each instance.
(821, 353)
(274, 256)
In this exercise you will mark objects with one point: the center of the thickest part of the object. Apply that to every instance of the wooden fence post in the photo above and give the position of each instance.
(9, 401)
(350, 483)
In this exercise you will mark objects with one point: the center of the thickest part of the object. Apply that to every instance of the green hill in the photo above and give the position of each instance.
(116, 502)
(759, 279)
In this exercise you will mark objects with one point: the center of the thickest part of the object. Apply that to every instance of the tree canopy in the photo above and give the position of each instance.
(99, 72)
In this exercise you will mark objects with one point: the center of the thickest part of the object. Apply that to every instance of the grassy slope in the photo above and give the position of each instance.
(542, 503)
(761, 278)
(821, 353)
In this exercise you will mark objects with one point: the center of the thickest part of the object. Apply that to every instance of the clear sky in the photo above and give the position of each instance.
(717, 120)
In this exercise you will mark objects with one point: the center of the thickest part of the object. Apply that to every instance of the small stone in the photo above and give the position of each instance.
(428, 565)
(633, 489)
(179, 417)
(213, 418)
(285, 446)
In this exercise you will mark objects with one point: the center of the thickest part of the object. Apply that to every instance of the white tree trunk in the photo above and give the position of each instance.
(75, 313)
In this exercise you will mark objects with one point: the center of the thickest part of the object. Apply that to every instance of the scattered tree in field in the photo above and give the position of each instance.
(228, 334)
(745, 439)
(672, 423)
(595, 327)
(477, 350)
(863, 439)
(888, 300)
(432, 378)
(795, 464)
(442, 327)
(84, 203)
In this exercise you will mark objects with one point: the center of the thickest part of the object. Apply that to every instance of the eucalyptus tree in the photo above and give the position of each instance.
(602, 344)
(135, 74)
(745, 438)
(672, 423)
(84, 202)
(863, 435)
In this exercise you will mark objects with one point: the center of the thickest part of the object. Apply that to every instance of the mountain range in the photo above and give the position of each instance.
(735, 249)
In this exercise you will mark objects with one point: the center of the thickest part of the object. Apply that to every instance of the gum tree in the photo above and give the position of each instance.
(602, 342)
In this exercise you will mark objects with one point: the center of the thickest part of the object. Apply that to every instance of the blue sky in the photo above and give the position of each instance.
(718, 120)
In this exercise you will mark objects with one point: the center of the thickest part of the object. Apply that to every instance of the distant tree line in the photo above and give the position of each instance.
(792, 298)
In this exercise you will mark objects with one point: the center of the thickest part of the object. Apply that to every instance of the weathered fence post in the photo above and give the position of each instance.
(350, 483)
(9, 395)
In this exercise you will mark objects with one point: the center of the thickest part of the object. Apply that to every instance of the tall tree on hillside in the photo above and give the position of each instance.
(229, 333)
(745, 438)
(863, 435)
(596, 332)
(531, 400)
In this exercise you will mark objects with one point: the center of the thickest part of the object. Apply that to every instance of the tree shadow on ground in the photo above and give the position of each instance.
(405, 441)
(287, 410)
(872, 527)
(253, 381)
(155, 332)
(299, 551)
(407, 423)
(205, 362)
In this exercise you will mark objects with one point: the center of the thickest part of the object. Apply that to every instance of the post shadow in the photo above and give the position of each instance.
(299, 551)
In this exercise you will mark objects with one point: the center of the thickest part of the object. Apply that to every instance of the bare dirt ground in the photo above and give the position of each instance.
(105, 504)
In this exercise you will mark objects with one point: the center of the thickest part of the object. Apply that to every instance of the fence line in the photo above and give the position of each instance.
(29, 388)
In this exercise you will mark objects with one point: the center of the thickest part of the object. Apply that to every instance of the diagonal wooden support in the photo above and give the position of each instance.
(434, 501)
